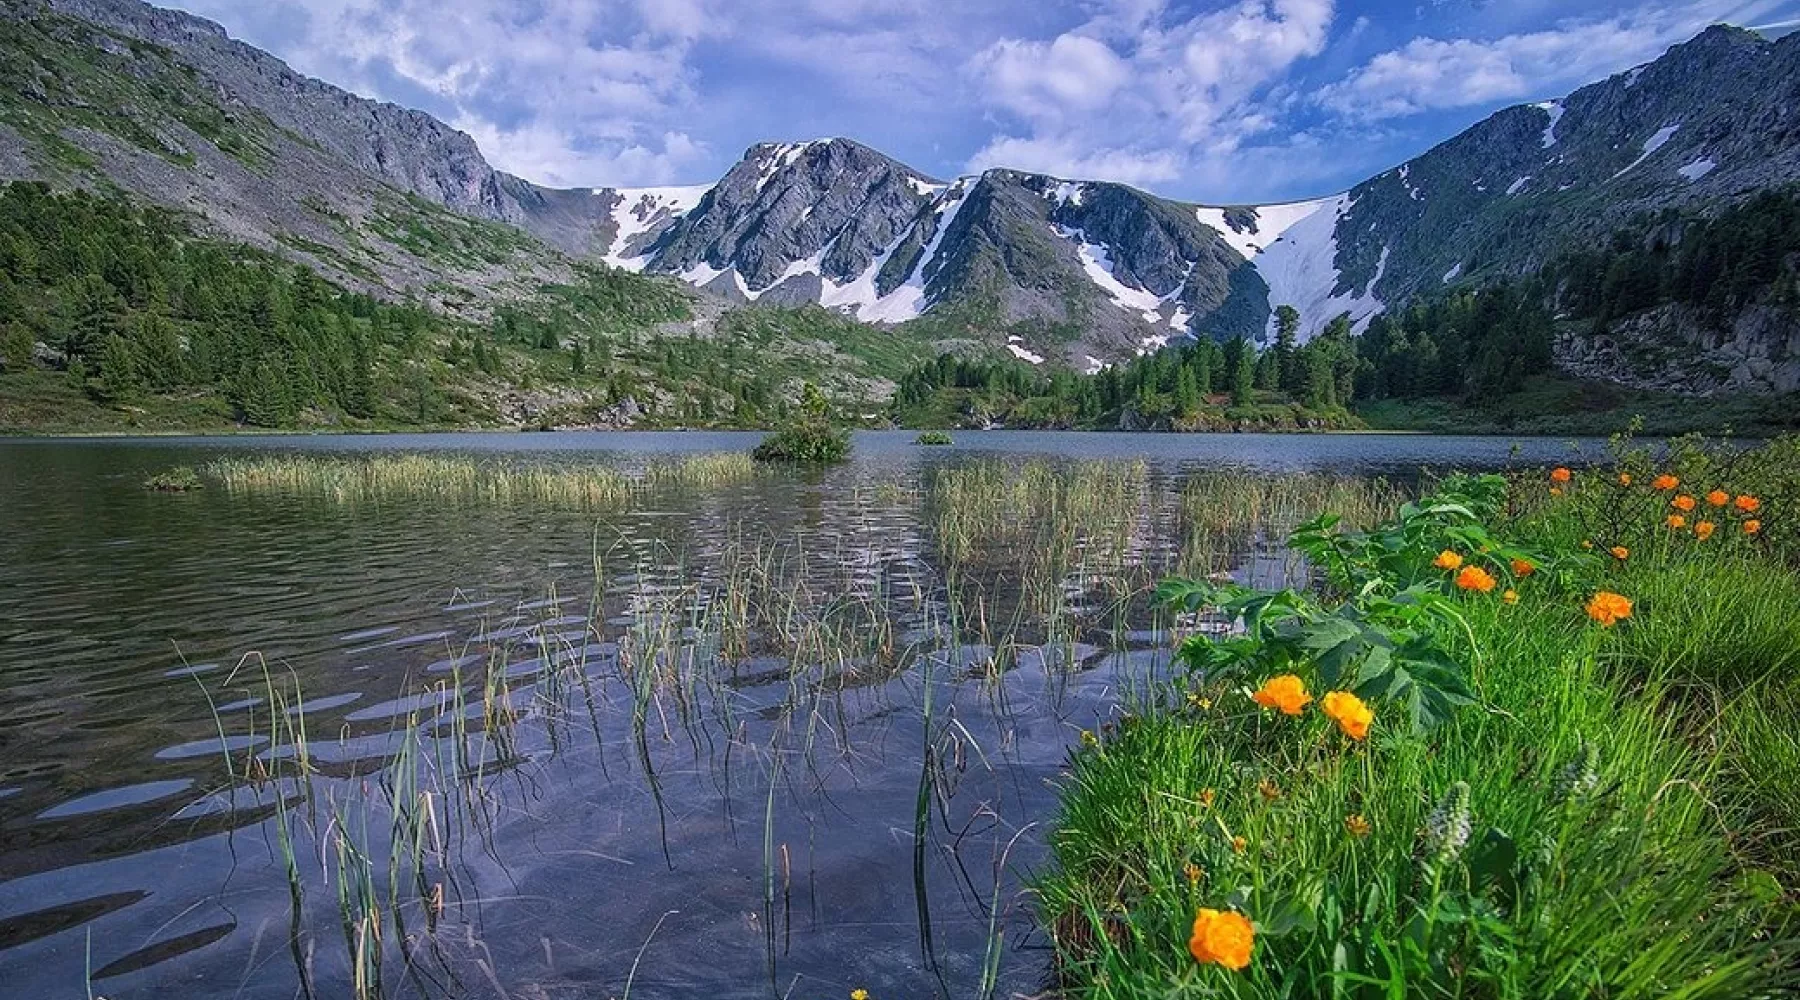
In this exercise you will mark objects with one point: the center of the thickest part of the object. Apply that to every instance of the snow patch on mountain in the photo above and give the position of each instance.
(780, 157)
(1651, 145)
(1015, 345)
(1453, 273)
(1516, 186)
(1697, 169)
(1271, 222)
(1096, 260)
(907, 300)
(1555, 110)
(1300, 269)
(1067, 191)
(640, 210)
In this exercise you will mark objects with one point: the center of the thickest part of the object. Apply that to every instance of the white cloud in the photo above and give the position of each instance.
(1042, 80)
(1067, 157)
(1428, 73)
(1139, 94)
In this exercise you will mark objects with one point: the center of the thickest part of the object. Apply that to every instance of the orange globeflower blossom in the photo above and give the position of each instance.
(1718, 498)
(1683, 503)
(1704, 530)
(1609, 608)
(1676, 522)
(1285, 692)
(1447, 560)
(1523, 568)
(1222, 937)
(1350, 713)
(1752, 526)
(1238, 845)
(1748, 504)
(1475, 578)
(1510, 597)
(1624, 479)
(1357, 825)
(1664, 482)
(1620, 552)
(1587, 543)
(1559, 475)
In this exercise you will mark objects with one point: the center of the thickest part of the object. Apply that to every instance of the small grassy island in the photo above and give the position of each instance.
(1530, 736)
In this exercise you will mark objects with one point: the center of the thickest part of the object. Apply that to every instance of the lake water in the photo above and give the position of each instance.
(681, 748)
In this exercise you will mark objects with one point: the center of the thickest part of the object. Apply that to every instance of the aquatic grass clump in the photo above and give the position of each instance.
(935, 438)
(180, 479)
(464, 479)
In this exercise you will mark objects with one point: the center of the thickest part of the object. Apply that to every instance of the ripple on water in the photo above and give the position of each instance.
(162, 951)
(203, 748)
(369, 633)
(117, 798)
(324, 704)
(198, 668)
(433, 700)
(18, 930)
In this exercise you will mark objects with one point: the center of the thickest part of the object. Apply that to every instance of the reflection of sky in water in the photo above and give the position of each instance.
(786, 799)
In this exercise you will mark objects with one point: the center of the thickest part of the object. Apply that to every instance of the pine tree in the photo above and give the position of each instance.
(1243, 376)
(118, 374)
(577, 359)
(1287, 338)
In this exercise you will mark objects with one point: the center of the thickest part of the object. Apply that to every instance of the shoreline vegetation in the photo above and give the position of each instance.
(1527, 736)
(121, 319)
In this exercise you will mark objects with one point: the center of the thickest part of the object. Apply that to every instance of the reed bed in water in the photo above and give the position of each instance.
(1055, 509)
(467, 479)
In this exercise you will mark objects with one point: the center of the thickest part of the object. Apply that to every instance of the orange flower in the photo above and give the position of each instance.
(1683, 503)
(1752, 526)
(1475, 578)
(1718, 498)
(1269, 789)
(1609, 608)
(1624, 479)
(1676, 522)
(1222, 937)
(1704, 530)
(1510, 597)
(1748, 504)
(1206, 798)
(1620, 552)
(1357, 825)
(1193, 873)
(1587, 543)
(1286, 692)
(1523, 568)
(1447, 560)
(1349, 712)
(1559, 475)
(1665, 482)
(1238, 845)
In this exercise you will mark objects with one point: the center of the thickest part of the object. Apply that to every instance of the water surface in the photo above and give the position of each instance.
(690, 737)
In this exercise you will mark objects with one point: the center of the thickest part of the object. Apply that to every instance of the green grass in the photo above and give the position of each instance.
(454, 479)
(181, 479)
(934, 438)
(1557, 405)
(1658, 875)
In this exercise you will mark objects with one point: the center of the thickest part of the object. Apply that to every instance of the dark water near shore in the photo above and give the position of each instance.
(610, 795)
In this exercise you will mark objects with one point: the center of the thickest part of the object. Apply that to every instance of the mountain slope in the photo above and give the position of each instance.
(114, 94)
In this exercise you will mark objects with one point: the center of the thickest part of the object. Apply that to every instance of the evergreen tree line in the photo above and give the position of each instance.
(129, 302)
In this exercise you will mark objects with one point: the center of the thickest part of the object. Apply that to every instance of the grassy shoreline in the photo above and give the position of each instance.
(1586, 808)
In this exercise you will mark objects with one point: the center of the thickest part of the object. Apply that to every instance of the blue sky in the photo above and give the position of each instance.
(1222, 101)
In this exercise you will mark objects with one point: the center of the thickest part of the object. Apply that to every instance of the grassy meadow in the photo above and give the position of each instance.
(1526, 737)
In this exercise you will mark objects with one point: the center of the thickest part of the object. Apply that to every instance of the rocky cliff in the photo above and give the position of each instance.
(115, 93)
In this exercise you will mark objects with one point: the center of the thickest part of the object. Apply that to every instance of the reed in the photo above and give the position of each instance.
(468, 480)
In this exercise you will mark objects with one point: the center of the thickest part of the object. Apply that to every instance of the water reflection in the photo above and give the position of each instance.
(775, 738)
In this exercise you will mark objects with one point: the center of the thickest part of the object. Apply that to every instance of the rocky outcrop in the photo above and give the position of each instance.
(166, 106)
(1679, 349)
